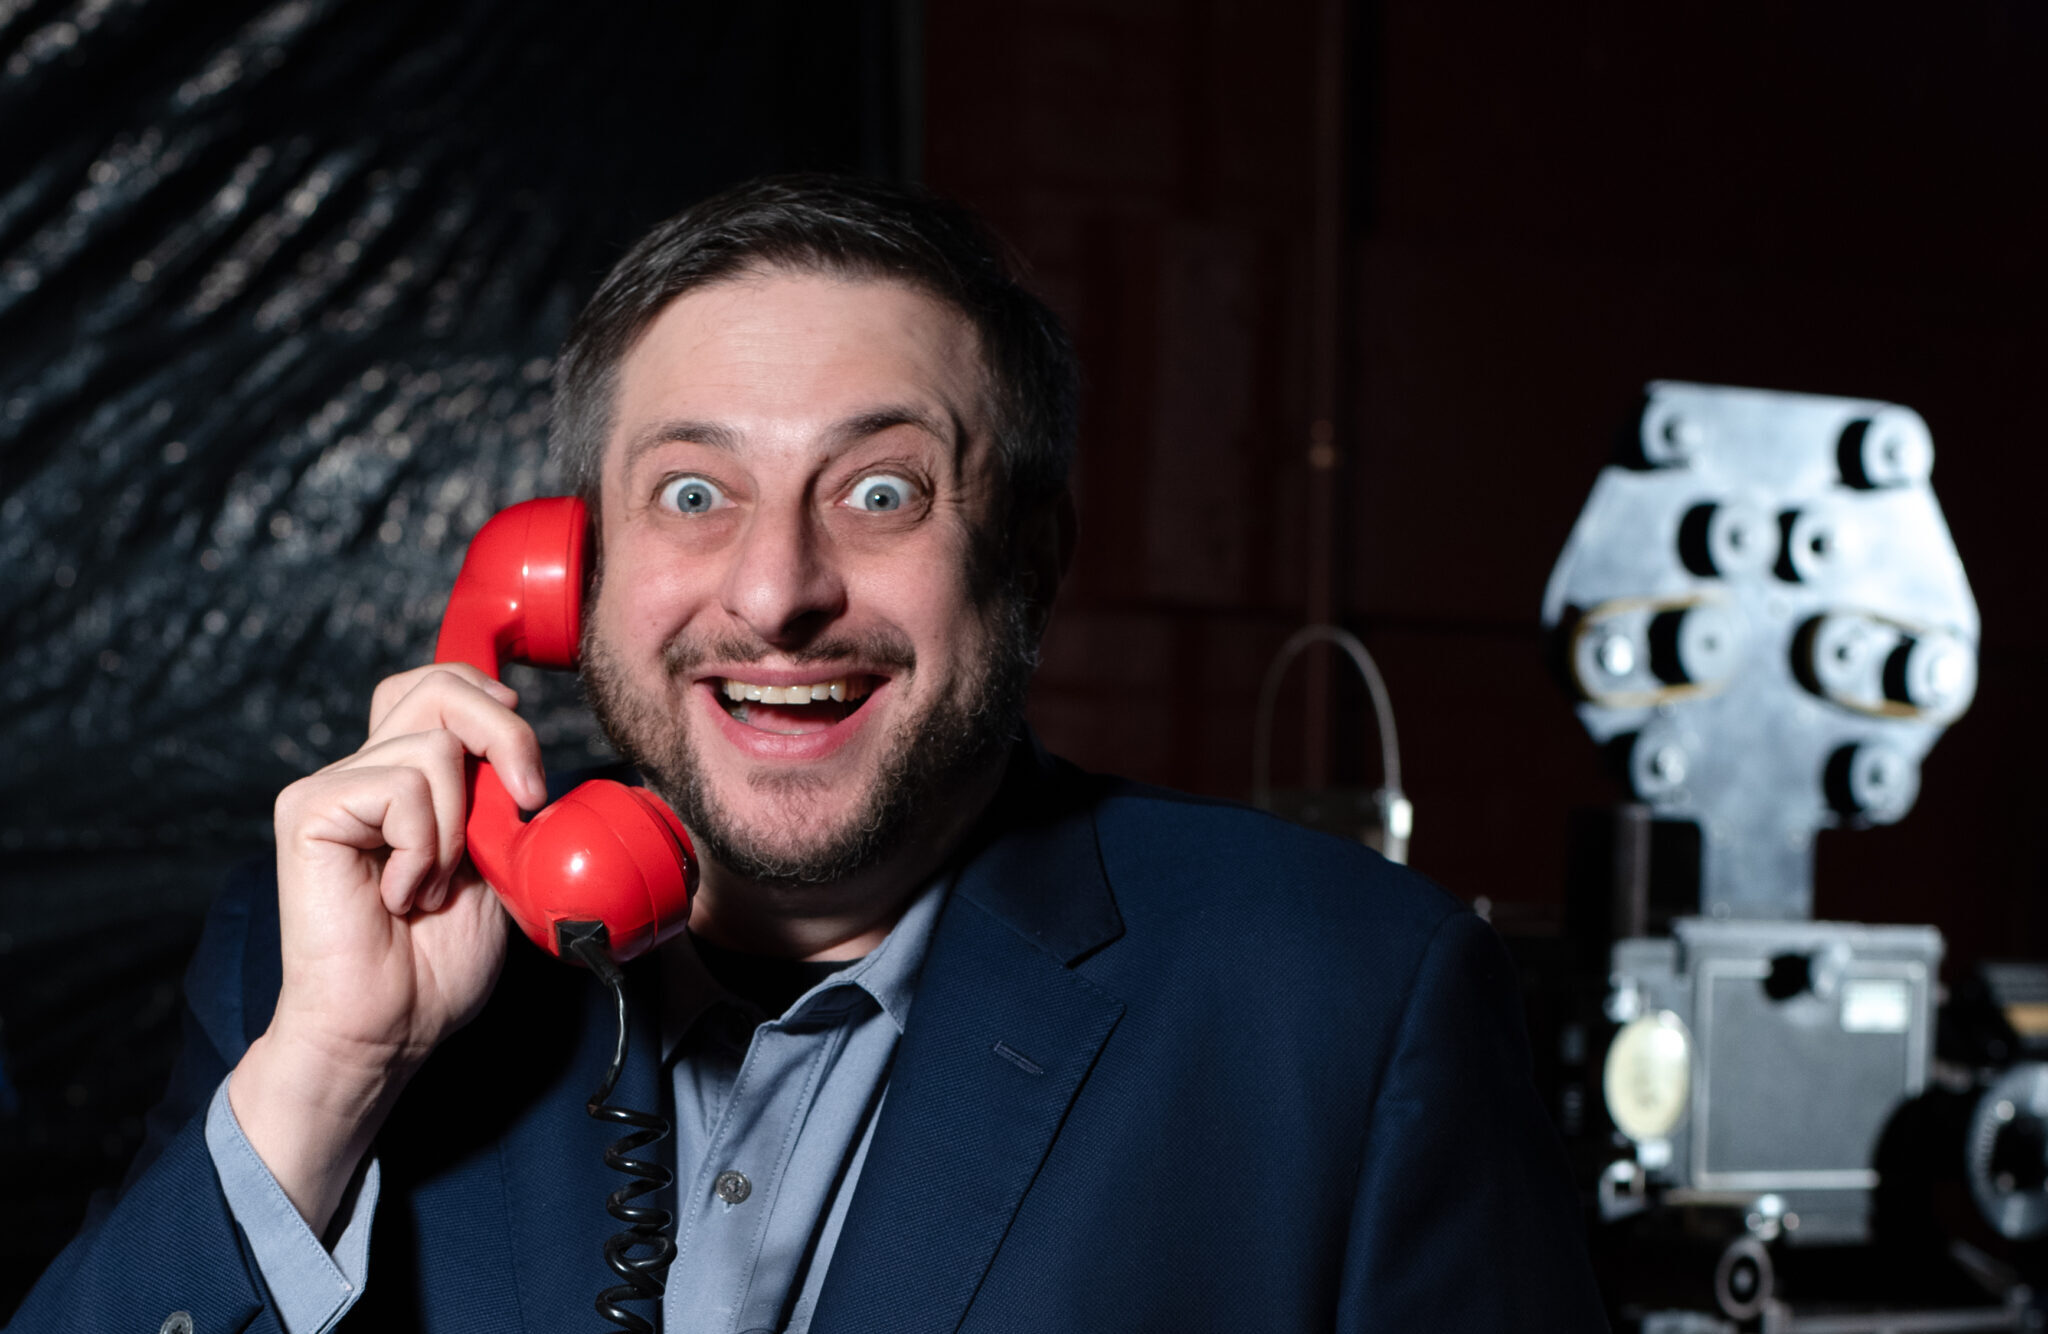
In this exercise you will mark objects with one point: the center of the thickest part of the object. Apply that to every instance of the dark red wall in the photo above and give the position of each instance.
(1549, 206)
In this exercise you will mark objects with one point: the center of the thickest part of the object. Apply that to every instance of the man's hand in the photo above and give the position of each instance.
(391, 940)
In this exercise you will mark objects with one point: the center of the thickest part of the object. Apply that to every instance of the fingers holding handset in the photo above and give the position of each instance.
(478, 709)
(434, 719)
(373, 841)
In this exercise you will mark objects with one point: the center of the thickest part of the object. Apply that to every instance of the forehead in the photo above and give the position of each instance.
(777, 357)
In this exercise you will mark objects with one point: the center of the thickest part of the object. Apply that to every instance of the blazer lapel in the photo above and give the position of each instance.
(1002, 1034)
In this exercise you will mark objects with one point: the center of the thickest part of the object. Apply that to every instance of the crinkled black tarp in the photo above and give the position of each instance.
(279, 288)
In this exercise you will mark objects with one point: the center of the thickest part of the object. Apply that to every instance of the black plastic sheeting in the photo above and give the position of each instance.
(279, 288)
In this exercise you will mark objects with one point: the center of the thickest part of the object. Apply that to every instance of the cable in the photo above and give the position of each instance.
(646, 1226)
(1397, 815)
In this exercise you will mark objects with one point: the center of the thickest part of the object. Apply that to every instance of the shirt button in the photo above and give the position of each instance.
(732, 1187)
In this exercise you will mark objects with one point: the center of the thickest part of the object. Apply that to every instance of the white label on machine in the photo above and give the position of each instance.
(1877, 1005)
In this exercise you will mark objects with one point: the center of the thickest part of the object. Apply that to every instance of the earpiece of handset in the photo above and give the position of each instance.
(606, 852)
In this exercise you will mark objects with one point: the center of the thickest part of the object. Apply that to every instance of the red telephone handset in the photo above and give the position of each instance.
(605, 853)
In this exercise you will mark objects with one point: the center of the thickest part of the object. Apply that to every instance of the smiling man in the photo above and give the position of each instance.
(958, 1038)
(798, 634)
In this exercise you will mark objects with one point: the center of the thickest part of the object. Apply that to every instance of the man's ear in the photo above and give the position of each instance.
(1045, 549)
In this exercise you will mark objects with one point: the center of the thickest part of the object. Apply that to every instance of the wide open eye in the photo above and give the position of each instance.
(692, 495)
(880, 493)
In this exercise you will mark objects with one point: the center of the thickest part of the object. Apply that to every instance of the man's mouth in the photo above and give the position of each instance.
(796, 709)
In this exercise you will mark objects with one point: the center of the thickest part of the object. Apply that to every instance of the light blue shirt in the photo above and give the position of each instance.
(787, 1102)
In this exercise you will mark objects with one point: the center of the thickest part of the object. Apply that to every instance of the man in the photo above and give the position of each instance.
(958, 1037)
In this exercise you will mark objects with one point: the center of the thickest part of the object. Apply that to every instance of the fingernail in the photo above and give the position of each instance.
(536, 792)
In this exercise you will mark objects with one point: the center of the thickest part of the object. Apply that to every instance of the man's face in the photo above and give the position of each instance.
(789, 636)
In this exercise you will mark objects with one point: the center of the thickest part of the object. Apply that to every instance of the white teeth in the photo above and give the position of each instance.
(840, 690)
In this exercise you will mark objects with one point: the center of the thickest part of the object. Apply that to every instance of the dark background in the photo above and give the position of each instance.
(278, 284)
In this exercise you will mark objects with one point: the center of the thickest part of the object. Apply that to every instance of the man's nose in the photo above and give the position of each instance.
(783, 583)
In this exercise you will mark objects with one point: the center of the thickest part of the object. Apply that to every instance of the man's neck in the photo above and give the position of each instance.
(845, 919)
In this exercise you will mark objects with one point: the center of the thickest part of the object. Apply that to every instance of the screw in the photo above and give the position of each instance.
(1617, 656)
(1684, 435)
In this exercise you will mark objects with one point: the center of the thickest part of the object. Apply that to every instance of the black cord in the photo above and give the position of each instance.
(646, 1226)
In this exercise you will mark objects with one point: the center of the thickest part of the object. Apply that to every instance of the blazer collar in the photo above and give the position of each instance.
(1033, 862)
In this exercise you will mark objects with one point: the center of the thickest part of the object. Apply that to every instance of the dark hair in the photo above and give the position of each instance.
(844, 226)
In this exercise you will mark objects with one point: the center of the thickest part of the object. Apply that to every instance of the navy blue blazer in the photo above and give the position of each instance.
(1173, 1065)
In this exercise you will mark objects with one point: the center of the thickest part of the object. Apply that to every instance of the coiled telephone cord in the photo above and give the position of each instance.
(642, 1276)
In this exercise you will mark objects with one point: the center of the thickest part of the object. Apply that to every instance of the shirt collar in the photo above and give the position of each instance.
(887, 973)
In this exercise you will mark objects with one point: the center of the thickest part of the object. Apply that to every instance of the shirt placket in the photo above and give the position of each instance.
(724, 1233)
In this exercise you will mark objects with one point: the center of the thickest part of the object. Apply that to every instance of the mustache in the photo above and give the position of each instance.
(883, 648)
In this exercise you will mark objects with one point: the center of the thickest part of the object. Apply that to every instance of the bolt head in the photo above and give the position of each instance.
(1617, 656)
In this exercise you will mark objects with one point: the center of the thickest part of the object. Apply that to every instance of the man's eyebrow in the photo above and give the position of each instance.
(715, 434)
(947, 430)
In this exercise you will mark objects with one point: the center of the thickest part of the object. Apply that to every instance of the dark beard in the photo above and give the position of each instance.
(955, 739)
